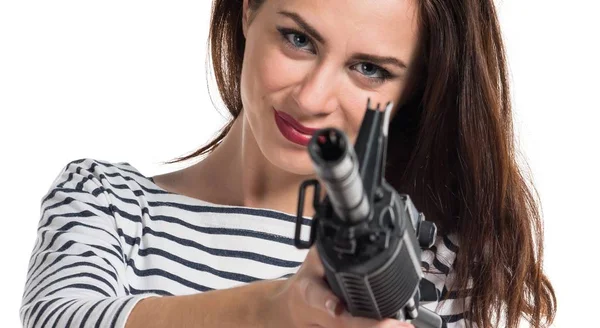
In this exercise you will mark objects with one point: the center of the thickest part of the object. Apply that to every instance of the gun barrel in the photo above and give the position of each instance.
(336, 165)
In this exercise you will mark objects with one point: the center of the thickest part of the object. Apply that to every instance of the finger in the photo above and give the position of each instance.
(319, 297)
(391, 323)
(313, 262)
(350, 321)
(361, 322)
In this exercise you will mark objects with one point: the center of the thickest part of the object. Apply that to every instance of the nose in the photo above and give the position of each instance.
(316, 93)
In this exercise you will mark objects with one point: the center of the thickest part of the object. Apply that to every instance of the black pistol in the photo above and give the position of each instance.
(369, 237)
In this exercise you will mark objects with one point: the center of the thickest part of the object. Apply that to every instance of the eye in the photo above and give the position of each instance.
(296, 40)
(372, 71)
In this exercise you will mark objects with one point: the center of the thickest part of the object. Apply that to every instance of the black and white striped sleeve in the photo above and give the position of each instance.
(76, 274)
(452, 309)
(438, 261)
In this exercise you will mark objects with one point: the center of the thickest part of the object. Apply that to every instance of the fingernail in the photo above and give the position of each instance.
(331, 307)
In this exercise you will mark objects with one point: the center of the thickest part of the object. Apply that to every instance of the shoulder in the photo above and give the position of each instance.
(98, 171)
(98, 178)
(97, 167)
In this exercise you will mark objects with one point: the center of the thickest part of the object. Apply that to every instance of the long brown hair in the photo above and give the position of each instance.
(451, 148)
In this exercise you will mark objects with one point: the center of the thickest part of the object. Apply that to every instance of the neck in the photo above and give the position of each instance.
(239, 174)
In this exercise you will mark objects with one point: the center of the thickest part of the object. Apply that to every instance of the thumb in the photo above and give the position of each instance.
(319, 297)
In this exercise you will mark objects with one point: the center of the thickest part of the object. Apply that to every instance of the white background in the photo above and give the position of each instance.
(91, 79)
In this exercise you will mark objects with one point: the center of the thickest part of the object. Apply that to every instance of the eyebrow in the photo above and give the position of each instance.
(380, 60)
(300, 21)
(359, 56)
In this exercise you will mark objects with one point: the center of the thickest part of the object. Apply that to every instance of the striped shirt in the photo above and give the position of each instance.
(109, 236)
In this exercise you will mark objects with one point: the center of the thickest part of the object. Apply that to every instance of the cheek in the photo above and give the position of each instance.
(355, 105)
(354, 102)
(277, 71)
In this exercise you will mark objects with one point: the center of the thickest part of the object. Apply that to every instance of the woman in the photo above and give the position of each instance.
(212, 245)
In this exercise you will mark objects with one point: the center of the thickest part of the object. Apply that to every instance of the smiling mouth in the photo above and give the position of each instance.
(295, 124)
(290, 132)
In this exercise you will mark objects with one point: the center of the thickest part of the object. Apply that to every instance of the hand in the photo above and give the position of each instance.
(305, 300)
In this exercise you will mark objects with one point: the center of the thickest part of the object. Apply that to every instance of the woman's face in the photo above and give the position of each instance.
(317, 62)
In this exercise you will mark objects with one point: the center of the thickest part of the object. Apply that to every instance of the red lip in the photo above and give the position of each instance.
(291, 121)
(290, 131)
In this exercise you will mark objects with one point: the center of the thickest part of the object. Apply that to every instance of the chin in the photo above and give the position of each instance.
(277, 150)
(293, 161)
(287, 156)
